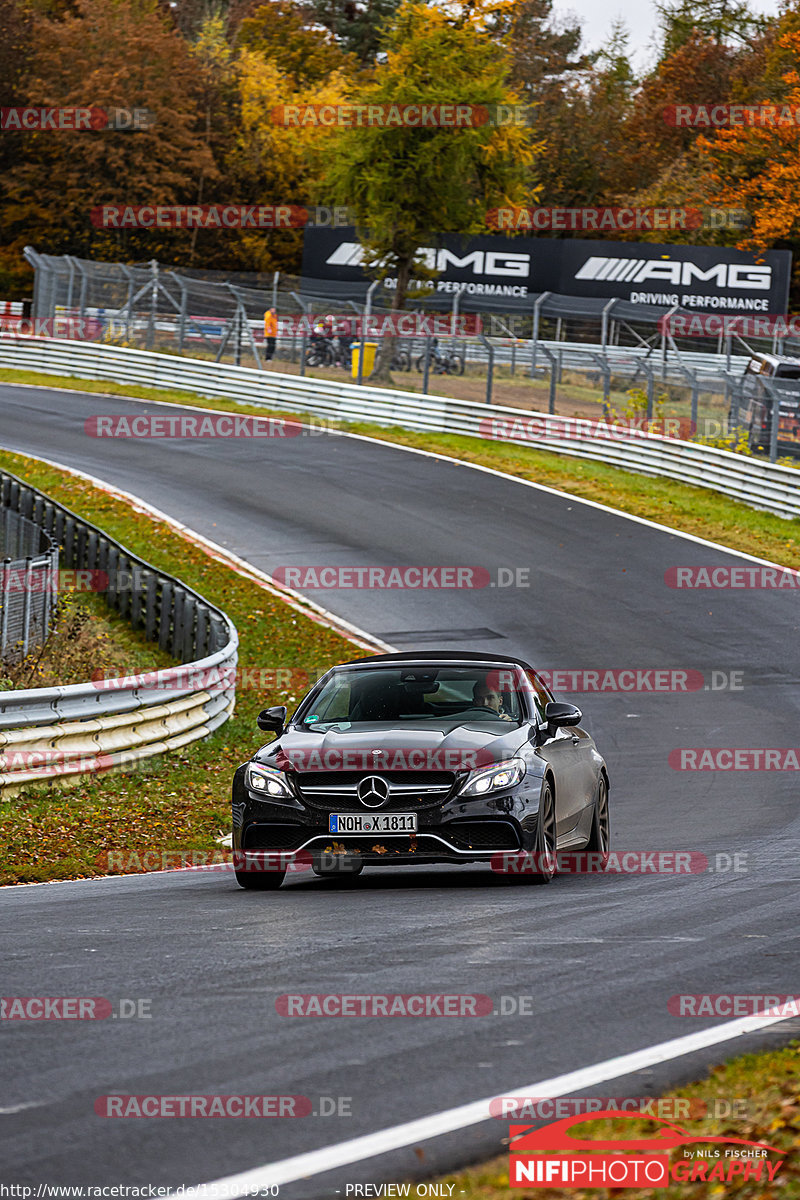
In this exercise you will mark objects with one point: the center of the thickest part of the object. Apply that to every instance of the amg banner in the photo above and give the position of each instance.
(703, 277)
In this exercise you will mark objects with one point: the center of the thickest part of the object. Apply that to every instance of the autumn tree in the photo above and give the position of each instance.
(757, 167)
(699, 72)
(284, 33)
(404, 183)
(581, 119)
(112, 56)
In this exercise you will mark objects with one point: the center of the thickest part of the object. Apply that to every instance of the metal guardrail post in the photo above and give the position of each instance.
(362, 343)
(537, 304)
(182, 312)
(4, 605)
(607, 308)
(552, 359)
(675, 308)
(151, 323)
(304, 308)
(26, 608)
(775, 417)
(490, 371)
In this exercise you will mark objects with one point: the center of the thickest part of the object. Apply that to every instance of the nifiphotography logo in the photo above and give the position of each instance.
(632, 1162)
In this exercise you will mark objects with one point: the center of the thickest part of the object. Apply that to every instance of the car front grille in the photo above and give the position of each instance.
(337, 791)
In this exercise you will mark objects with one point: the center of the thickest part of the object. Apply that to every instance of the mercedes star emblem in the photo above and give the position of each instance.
(373, 792)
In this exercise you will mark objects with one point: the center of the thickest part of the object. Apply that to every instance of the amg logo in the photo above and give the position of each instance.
(478, 262)
(679, 274)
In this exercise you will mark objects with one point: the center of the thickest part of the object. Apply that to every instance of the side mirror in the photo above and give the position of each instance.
(272, 720)
(562, 714)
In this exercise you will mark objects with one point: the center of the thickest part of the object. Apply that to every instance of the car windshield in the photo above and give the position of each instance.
(449, 695)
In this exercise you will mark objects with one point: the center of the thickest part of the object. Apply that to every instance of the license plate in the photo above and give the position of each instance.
(372, 823)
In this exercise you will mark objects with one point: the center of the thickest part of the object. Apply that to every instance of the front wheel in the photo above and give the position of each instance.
(545, 852)
(455, 364)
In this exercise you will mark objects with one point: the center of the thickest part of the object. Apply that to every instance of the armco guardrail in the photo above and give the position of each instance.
(763, 485)
(60, 733)
(28, 565)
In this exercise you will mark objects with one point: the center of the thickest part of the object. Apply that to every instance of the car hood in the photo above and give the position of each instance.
(408, 747)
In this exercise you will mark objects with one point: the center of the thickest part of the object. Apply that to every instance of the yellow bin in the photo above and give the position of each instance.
(369, 359)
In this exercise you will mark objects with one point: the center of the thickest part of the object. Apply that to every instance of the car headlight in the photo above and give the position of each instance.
(268, 782)
(492, 779)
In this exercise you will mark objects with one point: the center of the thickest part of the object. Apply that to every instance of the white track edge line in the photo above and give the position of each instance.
(397, 1137)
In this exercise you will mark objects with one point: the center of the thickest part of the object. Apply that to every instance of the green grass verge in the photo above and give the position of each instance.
(761, 1096)
(178, 802)
(86, 639)
(691, 509)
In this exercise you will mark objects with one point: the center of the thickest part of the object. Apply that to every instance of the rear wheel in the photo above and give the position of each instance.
(600, 837)
(545, 852)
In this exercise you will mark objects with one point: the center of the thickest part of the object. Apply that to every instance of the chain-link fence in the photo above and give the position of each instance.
(28, 581)
(568, 355)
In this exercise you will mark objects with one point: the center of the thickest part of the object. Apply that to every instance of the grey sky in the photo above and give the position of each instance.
(596, 17)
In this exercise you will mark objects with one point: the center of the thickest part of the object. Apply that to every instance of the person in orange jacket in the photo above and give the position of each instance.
(270, 332)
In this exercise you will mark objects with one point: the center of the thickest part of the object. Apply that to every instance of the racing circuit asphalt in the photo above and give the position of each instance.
(599, 955)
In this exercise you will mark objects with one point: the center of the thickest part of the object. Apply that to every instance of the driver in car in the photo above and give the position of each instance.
(485, 696)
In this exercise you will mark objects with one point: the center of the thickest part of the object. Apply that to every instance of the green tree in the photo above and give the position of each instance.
(404, 183)
(356, 24)
(724, 21)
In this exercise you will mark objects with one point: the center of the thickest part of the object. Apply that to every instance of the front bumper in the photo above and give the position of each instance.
(457, 830)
